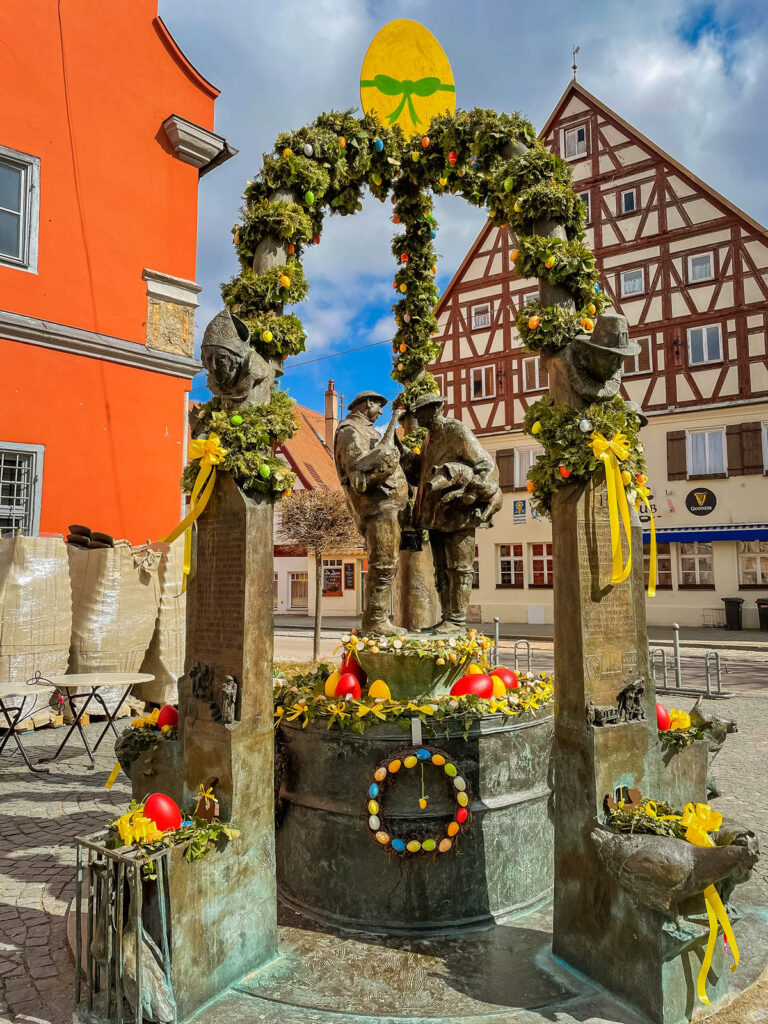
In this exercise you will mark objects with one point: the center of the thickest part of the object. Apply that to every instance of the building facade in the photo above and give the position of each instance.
(689, 270)
(106, 130)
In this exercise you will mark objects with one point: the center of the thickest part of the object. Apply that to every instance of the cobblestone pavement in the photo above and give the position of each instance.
(41, 815)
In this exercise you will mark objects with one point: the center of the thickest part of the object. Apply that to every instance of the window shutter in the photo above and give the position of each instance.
(752, 447)
(734, 443)
(676, 462)
(505, 460)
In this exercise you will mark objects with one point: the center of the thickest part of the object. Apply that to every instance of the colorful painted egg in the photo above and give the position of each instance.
(414, 846)
(422, 754)
(264, 471)
(460, 784)
(395, 766)
(382, 837)
(452, 158)
(235, 420)
(380, 774)
(462, 814)
(450, 769)
(378, 145)
(663, 720)
(452, 829)
(373, 807)
(309, 197)
(433, 233)
(373, 790)
(379, 689)
(429, 845)
(409, 761)
(330, 684)
(462, 799)
(349, 663)
(438, 759)
(499, 689)
(398, 844)
(509, 184)
(348, 684)
(373, 822)
(445, 845)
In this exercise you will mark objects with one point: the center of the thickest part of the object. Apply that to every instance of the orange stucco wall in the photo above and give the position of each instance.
(86, 87)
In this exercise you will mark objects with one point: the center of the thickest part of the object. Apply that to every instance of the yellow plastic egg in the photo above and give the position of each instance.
(462, 799)
(474, 670)
(379, 688)
(423, 804)
(285, 281)
(330, 684)
(453, 828)
(414, 846)
(373, 807)
(403, 288)
(380, 774)
(266, 336)
(499, 689)
(395, 766)
(382, 837)
(410, 761)
(438, 759)
(536, 428)
(626, 478)
(445, 845)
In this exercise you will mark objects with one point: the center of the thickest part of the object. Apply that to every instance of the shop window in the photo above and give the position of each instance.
(332, 577)
(509, 565)
(663, 565)
(298, 591)
(696, 564)
(541, 564)
(753, 563)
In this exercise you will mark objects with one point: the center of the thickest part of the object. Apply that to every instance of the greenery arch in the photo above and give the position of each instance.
(491, 160)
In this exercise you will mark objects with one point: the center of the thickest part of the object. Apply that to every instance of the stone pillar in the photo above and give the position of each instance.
(223, 909)
(415, 598)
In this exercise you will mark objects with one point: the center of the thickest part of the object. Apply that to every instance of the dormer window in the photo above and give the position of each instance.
(575, 140)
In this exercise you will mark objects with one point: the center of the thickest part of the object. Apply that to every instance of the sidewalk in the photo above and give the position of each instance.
(690, 636)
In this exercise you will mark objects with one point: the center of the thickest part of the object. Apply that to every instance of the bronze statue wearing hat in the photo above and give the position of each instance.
(236, 371)
(458, 491)
(368, 466)
(589, 368)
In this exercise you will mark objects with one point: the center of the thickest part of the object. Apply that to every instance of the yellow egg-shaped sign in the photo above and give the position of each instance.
(406, 78)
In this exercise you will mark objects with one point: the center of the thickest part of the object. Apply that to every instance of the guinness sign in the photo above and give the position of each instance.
(701, 502)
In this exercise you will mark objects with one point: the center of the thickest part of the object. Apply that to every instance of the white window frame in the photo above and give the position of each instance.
(697, 556)
(520, 469)
(588, 204)
(760, 557)
(628, 192)
(703, 328)
(512, 558)
(698, 256)
(440, 381)
(37, 451)
(635, 270)
(632, 360)
(294, 576)
(30, 209)
(537, 362)
(476, 312)
(482, 371)
(577, 153)
(548, 557)
(708, 471)
(530, 297)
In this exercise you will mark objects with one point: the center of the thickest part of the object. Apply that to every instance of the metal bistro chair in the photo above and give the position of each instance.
(14, 709)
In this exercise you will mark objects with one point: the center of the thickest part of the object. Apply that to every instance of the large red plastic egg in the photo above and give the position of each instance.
(348, 684)
(662, 718)
(163, 811)
(169, 715)
(477, 683)
(507, 676)
(349, 663)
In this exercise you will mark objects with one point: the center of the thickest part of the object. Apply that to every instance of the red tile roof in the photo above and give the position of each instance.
(306, 452)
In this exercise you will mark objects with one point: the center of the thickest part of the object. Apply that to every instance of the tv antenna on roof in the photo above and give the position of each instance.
(575, 66)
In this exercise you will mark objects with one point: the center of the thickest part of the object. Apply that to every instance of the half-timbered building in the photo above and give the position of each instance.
(689, 270)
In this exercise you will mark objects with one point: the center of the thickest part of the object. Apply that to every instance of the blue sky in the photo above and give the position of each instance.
(691, 76)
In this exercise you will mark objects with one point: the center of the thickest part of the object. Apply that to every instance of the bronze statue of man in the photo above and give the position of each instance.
(235, 369)
(458, 491)
(368, 466)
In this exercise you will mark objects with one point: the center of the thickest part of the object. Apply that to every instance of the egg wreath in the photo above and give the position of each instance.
(386, 772)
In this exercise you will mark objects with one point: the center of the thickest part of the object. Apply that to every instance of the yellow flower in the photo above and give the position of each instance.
(679, 719)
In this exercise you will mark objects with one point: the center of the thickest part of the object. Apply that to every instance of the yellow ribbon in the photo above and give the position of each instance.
(371, 709)
(112, 776)
(610, 453)
(203, 794)
(644, 497)
(210, 453)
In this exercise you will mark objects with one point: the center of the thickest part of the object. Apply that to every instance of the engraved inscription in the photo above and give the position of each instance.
(220, 596)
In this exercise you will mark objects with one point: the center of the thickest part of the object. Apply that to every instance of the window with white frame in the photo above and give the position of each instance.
(524, 460)
(509, 565)
(19, 209)
(629, 201)
(541, 564)
(483, 382)
(632, 283)
(701, 267)
(663, 565)
(481, 316)
(534, 374)
(298, 590)
(21, 475)
(476, 569)
(706, 452)
(332, 577)
(696, 564)
(753, 563)
(530, 297)
(705, 345)
(642, 361)
(575, 142)
(440, 381)
(584, 197)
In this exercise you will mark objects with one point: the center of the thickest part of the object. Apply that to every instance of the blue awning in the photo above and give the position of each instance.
(687, 534)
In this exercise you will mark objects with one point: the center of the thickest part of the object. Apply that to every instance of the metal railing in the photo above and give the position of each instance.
(527, 645)
(711, 657)
(518, 643)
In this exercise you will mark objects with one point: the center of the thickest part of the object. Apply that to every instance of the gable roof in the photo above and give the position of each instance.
(575, 88)
(306, 451)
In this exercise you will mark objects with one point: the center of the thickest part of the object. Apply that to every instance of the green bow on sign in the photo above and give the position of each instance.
(391, 87)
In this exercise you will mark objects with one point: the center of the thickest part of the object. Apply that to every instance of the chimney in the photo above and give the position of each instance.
(331, 415)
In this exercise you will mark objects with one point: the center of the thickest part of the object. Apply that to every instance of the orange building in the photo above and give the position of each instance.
(105, 131)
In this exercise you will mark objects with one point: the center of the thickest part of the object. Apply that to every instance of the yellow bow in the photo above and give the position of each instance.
(610, 453)
(210, 453)
(204, 794)
(679, 719)
(134, 827)
(699, 821)
(371, 709)
(644, 498)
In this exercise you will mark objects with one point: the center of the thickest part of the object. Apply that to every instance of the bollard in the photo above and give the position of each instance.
(496, 641)
(678, 667)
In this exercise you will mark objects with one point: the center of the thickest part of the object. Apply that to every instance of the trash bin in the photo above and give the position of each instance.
(733, 612)
(762, 612)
